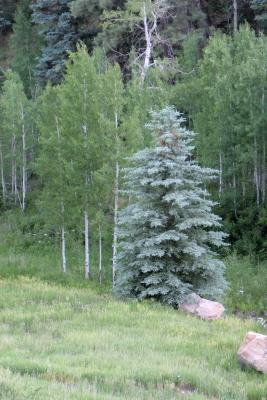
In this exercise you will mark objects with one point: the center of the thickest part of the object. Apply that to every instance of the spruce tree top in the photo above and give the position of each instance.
(168, 233)
(60, 37)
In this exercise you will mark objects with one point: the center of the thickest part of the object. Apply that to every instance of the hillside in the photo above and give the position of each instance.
(62, 343)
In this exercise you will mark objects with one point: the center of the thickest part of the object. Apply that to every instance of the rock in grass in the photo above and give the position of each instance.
(202, 308)
(253, 352)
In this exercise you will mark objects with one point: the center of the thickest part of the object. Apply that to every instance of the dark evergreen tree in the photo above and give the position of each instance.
(7, 11)
(168, 233)
(88, 15)
(59, 35)
(260, 9)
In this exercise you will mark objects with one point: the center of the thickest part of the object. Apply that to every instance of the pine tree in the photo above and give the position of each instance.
(59, 34)
(168, 234)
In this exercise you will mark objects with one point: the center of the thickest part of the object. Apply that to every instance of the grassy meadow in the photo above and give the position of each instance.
(64, 338)
(59, 342)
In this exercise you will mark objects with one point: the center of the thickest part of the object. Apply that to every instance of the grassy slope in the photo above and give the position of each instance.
(71, 343)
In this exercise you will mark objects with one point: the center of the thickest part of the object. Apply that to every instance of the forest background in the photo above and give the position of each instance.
(78, 81)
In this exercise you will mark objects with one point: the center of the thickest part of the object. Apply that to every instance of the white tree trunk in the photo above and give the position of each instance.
(263, 167)
(100, 254)
(263, 177)
(14, 184)
(24, 163)
(235, 15)
(115, 234)
(63, 239)
(63, 249)
(86, 246)
(116, 201)
(3, 183)
(63, 233)
(148, 46)
(149, 31)
(256, 174)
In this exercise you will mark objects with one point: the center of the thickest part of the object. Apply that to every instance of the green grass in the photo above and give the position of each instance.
(71, 343)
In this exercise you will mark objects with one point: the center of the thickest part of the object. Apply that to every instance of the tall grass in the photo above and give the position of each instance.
(71, 343)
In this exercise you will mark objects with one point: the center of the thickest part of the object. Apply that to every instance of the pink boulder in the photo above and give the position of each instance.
(253, 352)
(202, 308)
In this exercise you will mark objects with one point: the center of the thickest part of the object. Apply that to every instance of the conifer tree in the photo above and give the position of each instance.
(59, 33)
(168, 234)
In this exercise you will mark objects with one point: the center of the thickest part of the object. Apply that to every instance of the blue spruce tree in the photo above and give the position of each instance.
(59, 35)
(168, 234)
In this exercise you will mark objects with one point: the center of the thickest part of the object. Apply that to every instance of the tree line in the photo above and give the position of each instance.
(73, 111)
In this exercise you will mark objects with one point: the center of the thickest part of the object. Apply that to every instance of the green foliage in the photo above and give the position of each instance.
(248, 232)
(96, 116)
(248, 282)
(88, 14)
(226, 102)
(17, 139)
(80, 141)
(168, 233)
(29, 247)
(26, 50)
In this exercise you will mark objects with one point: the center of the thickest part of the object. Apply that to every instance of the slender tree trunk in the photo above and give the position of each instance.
(3, 183)
(24, 163)
(235, 15)
(116, 201)
(63, 249)
(263, 176)
(86, 218)
(14, 184)
(63, 233)
(63, 239)
(86, 246)
(115, 234)
(234, 186)
(148, 46)
(100, 254)
(256, 174)
(149, 42)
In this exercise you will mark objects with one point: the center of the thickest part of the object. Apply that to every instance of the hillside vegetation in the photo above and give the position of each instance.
(62, 343)
(133, 173)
